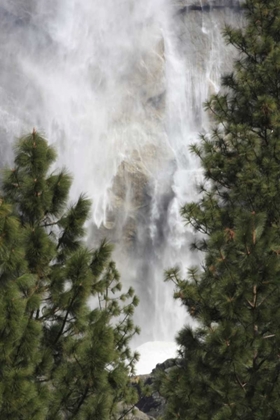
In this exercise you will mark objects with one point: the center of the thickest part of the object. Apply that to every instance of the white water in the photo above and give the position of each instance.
(118, 83)
(152, 353)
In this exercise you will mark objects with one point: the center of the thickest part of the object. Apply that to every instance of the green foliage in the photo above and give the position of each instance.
(230, 366)
(65, 326)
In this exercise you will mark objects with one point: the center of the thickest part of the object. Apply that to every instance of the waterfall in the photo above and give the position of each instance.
(117, 88)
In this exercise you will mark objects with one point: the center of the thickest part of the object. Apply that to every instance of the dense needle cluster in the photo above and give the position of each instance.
(230, 364)
(60, 356)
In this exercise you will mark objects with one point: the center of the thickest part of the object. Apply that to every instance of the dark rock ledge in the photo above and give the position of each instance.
(208, 6)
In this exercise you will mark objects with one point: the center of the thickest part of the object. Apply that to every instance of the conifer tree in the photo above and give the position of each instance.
(230, 363)
(19, 334)
(72, 361)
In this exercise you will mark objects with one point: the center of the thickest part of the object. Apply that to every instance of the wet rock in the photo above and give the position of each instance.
(154, 404)
(186, 6)
(139, 415)
(196, 33)
(134, 414)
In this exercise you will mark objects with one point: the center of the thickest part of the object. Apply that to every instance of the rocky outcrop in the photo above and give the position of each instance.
(141, 118)
(176, 69)
(139, 415)
(198, 38)
(153, 405)
(186, 6)
(129, 413)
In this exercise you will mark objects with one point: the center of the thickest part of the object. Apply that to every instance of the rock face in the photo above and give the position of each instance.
(196, 37)
(135, 415)
(150, 407)
(175, 76)
(139, 415)
(207, 5)
(154, 404)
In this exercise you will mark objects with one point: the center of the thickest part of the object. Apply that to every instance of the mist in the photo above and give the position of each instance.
(118, 89)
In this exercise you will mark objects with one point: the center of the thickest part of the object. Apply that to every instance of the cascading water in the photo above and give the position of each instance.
(118, 88)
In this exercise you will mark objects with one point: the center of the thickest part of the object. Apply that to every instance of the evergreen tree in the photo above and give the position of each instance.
(61, 359)
(230, 363)
(20, 398)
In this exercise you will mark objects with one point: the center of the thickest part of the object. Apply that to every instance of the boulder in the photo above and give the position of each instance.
(134, 414)
(154, 404)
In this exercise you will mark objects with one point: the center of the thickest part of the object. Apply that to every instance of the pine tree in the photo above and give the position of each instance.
(230, 363)
(19, 334)
(72, 361)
